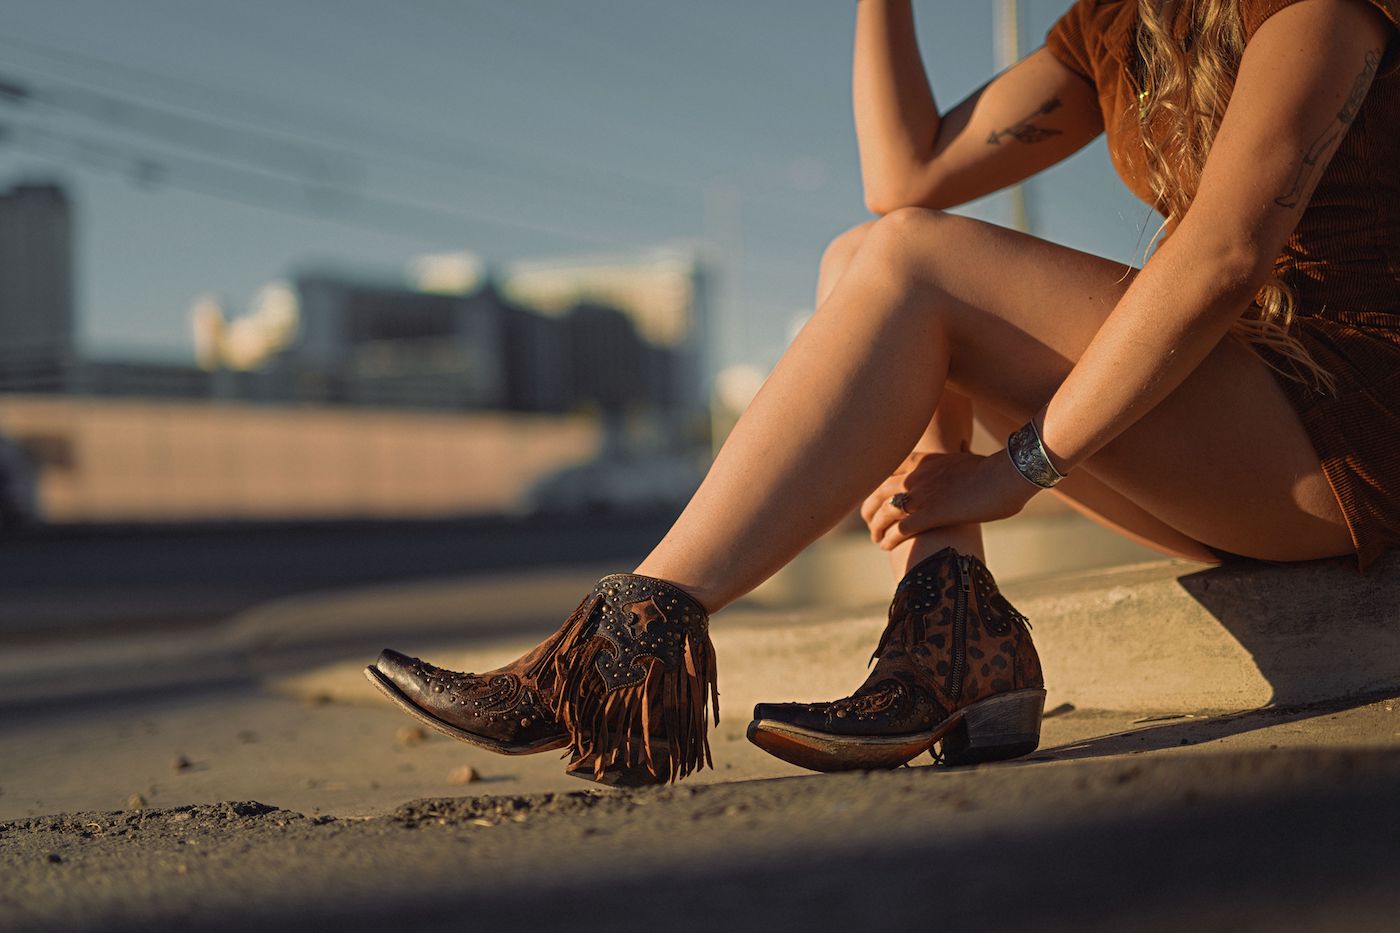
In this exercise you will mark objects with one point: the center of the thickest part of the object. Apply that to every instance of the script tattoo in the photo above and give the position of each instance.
(1025, 129)
(1328, 138)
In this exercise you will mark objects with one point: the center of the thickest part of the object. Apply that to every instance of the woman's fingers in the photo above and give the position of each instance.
(888, 516)
(905, 527)
(870, 506)
(956, 490)
(877, 510)
(880, 498)
(901, 530)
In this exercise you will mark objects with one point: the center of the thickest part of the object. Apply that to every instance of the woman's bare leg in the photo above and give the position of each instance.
(930, 299)
(952, 426)
(949, 430)
(1096, 500)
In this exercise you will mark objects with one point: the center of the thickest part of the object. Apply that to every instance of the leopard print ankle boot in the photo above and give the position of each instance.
(955, 668)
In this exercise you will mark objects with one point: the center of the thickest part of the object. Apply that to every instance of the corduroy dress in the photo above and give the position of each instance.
(1342, 261)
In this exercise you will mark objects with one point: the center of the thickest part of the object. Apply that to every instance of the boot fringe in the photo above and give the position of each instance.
(660, 724)
(544, 668)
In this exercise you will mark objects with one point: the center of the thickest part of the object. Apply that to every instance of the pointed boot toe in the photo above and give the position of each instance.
(627, 684)
(401, 671)
(500, 710)
(773, 710)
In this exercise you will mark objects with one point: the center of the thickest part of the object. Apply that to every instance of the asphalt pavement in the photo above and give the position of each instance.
(227, 769)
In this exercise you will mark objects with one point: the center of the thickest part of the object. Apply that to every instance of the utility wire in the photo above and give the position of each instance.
(226, 141)
(265, 190)
(427, 147)
(431, 149)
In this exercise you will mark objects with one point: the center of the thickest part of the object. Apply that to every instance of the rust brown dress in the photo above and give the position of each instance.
(1342, 261)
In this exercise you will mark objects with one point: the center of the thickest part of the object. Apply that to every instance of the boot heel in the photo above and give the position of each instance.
(1003, 726)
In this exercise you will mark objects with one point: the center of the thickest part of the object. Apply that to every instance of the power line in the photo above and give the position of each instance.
(269, 191)
(210, 135)
(325, 178)
(438, 149)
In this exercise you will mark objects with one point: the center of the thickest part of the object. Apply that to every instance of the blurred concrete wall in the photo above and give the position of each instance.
(117, 460)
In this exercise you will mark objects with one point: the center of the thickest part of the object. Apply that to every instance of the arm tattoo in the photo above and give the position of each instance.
(1328, 138)
(1025, 129)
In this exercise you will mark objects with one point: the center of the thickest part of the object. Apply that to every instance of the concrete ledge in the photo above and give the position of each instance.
(1238, 636)
(1161, 636)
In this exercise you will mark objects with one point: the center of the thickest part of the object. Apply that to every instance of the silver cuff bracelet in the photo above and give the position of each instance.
(1028, 455)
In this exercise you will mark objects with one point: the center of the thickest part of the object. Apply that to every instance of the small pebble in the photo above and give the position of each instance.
(412, 735)
(464, 775)
(181, 763)
(55, 858)
(135, 802)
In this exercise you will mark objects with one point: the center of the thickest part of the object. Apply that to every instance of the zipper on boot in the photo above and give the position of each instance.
(955, 673)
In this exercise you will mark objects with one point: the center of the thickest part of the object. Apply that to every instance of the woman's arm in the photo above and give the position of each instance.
(1024, 120)
(1301, 81)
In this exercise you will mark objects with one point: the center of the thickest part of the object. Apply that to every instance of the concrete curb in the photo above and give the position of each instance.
(1238, 636)
(1161, 636)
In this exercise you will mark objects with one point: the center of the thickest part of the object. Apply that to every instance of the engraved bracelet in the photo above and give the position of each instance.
(1028, 455)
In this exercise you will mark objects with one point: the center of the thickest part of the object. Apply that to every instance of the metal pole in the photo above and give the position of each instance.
(1006, 40)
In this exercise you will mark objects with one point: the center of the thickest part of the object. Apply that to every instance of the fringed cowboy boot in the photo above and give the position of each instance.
(955, 666)
(627, 684)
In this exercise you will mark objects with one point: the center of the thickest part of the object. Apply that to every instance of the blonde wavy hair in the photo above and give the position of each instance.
(1184, 83)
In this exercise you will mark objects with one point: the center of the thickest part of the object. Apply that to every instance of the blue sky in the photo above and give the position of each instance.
(361, 133)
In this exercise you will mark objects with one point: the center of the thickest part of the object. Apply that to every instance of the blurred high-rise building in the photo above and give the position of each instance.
(37, 320)
(386, 343)
(665, 295)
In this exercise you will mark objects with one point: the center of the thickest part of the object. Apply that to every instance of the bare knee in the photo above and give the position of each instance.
(908, 243)
(838, 255)
(909, 227)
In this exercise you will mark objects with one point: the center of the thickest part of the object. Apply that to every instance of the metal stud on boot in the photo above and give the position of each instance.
(955, 667)
(626, 685)
(637, 683)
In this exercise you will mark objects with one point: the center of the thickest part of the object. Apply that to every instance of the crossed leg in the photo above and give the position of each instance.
(951, 427)
(931, 301)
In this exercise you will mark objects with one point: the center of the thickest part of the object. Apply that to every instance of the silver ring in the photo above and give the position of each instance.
(900, 500)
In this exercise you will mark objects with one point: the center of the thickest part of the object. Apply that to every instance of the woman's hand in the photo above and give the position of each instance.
(944, 489)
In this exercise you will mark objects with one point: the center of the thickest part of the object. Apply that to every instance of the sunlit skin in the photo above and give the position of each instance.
(1172, 434)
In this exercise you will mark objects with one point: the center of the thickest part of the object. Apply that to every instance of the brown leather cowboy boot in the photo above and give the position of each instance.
(955, 665)
(626, 683)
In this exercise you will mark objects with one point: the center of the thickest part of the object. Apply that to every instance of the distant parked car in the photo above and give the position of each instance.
(617, 485)
(19, 487)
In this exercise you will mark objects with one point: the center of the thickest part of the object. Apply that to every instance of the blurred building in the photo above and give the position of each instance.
(444, 389)
(384, 343)
(665, 294)
(37, 321)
